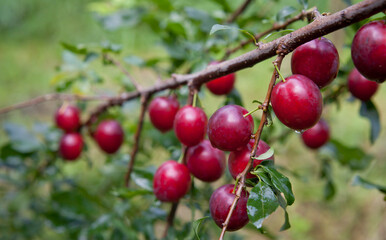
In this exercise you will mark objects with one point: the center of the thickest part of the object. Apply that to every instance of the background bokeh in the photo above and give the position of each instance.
(30, 53)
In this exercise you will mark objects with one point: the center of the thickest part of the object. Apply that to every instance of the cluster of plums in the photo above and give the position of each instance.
(227, 130)
(109, 133)
(296, 101)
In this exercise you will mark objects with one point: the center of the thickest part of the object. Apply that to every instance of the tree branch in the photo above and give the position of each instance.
(144, 103)
(257, 135)
(318, 28)
(52, 97)
(239, 11)
(275, 27)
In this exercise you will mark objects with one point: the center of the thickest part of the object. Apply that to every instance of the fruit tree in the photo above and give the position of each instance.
(175, 148)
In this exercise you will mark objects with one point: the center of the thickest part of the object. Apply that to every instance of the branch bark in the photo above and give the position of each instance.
(137, 136)
(53, 97)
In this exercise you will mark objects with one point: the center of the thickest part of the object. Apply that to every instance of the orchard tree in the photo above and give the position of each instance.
(221, 166)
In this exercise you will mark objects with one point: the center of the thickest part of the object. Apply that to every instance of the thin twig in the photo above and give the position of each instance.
(241, 176)
(275, 27)
(123, 70)
(238, 11)
(170, 219)
(52, 97)
(144, 103)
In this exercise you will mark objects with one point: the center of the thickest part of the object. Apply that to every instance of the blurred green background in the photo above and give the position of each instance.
(30, 51)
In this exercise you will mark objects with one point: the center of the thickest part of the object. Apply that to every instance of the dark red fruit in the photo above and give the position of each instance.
(162, 111)
(317, 136)
(171, 181)
(67, 118)
(109, 136)
(318, 60)
(360, 87)
(70, 146)
(205, 162)
(228, 129)
(220, 202)
(297, 102)
(368, 51)
(222, 85)
(238, 160)
(190, 125)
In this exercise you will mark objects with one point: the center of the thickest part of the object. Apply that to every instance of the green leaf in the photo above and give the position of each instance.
(134, 60)
(281, 33)
(326, 173)
(196, 224)
(111, 47)
(284, 13)
(358, 181)
(281, 182)
(130, 193)
(348, 2)
(79, 49)
(265, 155)
(234, 97)
(143, 178)
(369, 111)
(304, 3)
(219, 27)
(286, 225)
(22, 140)
(262, 202)
(329, 190)
(353, 157)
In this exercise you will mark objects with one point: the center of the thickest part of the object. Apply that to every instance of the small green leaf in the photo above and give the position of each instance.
(282, 183)
(353, 157)
(143, 178)
(348, 2)
(265, 155)
(329, 190)
(196, 224)
(234, 97)
(358, 181)
(281, 33)
(326, 173)
(134, 60)
(286, 225)
(218, 27)
(80, 49)
(369, 111)
(304, 3)
(111, 47)
(284, 13)
(262, 202)
(130, 193)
